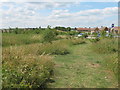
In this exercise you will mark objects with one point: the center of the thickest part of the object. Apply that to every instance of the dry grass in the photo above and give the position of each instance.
(20, 39)
(105, 46)
(77, 41)
(57, 47)
(21, 69)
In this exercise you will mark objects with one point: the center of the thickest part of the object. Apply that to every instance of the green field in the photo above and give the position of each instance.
(83, 68)
(62, 61)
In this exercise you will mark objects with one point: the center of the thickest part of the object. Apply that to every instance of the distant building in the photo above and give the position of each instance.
(83, 29)
(115, 30)
(104, 29)
(95, 30)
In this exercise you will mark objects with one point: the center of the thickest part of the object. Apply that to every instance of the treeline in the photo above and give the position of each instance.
(58, 30)
(40, 28)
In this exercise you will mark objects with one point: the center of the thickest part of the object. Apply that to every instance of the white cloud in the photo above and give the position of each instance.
(59, 1)
(28, 15)
(94, 17)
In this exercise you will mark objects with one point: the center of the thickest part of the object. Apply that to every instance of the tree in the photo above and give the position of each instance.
(68, 28)
(48, 27)
(16, 30)
(39, 27)
(60, 28)
(49, 36)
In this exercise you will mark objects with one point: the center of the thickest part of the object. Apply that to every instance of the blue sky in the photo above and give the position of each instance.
(73, 14)
(92, 5)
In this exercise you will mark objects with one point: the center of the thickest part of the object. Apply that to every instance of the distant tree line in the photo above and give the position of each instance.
(63, 28)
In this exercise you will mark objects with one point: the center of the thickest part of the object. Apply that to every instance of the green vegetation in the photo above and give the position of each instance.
(103, 33)
(58, 48)
(105, 46)
(21, 70)
(19, 39)
(77, 41)
(63, 28)
(94, 40)
(55, 58)
(49, 36)
(84, 68)
(109, 47)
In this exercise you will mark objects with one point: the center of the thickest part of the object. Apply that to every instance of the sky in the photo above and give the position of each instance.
(68, 14)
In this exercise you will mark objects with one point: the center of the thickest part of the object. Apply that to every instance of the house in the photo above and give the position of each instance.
(83, 29)
(104, 28)
(115, 30)
(89, 30)
(95, 30)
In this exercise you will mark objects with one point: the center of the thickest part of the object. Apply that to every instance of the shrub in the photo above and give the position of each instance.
(103, 33)
(49, 36)
(85, 35)
(25, 71)
(73, 33)
(57, 47)
(94, 40)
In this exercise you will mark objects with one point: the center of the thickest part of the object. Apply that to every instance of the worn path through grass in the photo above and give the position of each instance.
(82, 69)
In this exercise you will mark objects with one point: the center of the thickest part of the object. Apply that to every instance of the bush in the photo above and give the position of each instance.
(103, 34)
(85, 35)
(49, 36)
(25, 71)
(58, 47)
(73, 33)
(94, 40)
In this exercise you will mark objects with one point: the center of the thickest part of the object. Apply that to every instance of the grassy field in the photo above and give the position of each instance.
(19, 39)
(64, 62)
(83, 68)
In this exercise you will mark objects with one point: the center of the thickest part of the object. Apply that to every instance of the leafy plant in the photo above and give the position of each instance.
(49, 36)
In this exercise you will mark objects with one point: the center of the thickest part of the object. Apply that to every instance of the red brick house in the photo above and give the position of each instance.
(83, 29)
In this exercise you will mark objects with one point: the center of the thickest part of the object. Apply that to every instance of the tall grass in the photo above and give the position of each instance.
(109, 47)
(57, 47)
(21, 70)
(105, 45)
(77, 41)
(27, 63)
(19, 39)
(30, 65)
(111, 63)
